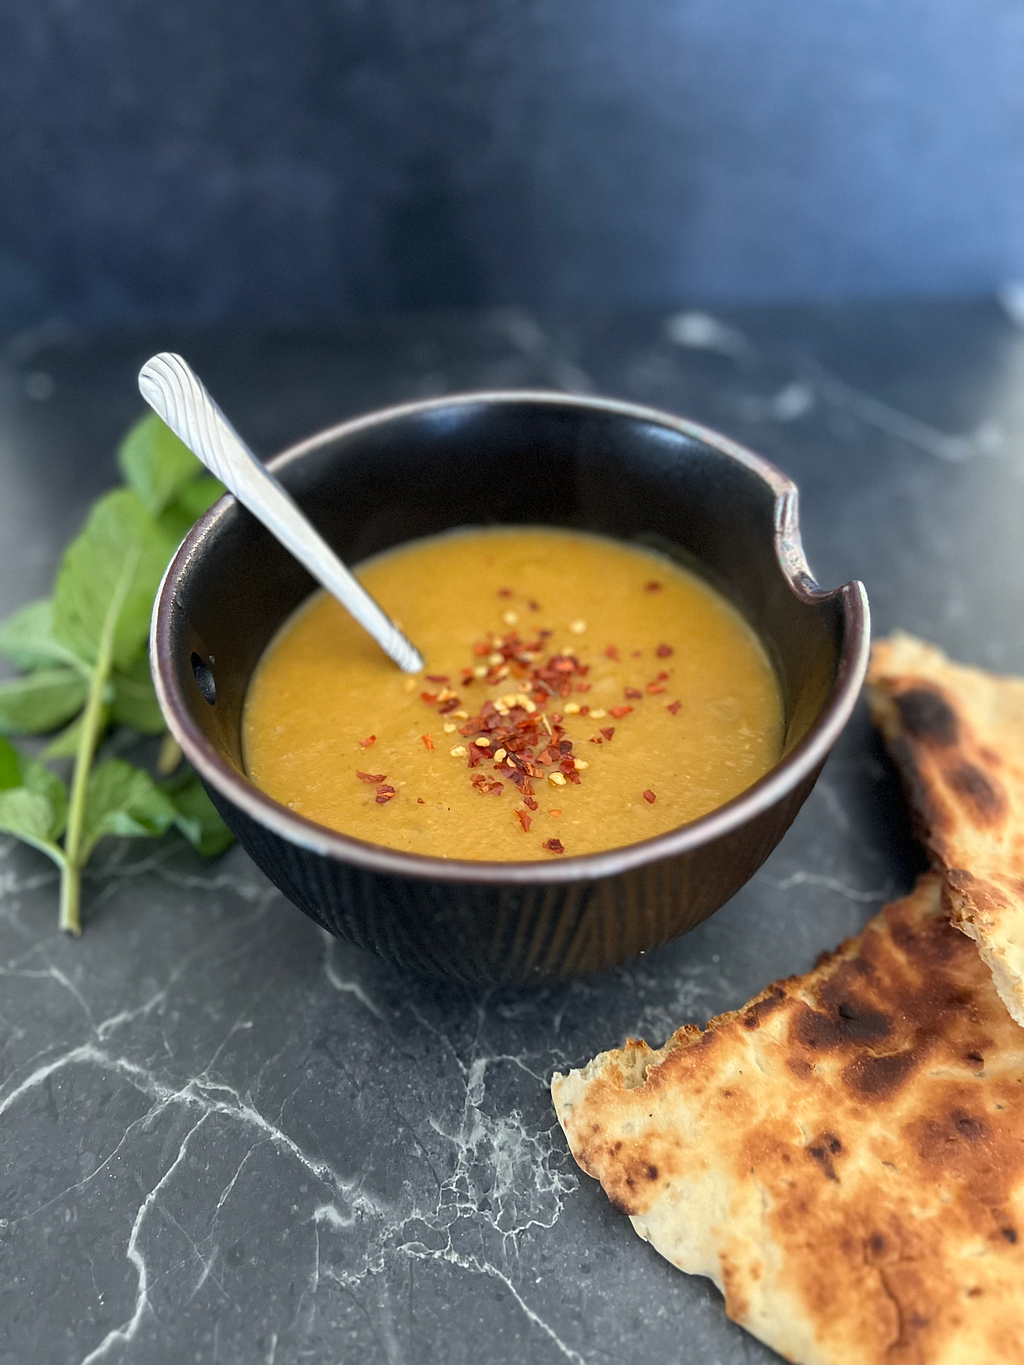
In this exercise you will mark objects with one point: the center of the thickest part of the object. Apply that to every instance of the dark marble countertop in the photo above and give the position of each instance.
(226, 1138)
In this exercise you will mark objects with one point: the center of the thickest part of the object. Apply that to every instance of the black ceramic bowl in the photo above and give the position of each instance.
(490, 458)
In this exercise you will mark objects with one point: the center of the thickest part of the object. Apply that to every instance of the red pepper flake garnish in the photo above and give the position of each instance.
(525, 820)
(371, 777)
(436, 677)
(596, 739)
(649, 797)
(612, 652)
(663, 651)
(420, 801)
(533, 605)
(654, 688)
(384, 794)
(608, 731)
(633, 693)
(674, 707)
(528, 738)
(504, 592)
(653, 586)
(553, 845)
(368, 742)
(555, 813)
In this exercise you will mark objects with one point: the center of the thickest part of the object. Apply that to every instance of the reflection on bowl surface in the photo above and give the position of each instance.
(492, 460)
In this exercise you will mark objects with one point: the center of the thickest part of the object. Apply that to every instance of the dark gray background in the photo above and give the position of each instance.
(204, 161)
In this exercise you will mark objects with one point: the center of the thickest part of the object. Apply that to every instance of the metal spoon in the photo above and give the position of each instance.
(178, 395)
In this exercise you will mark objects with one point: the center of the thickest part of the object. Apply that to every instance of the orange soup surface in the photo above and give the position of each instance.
(579, 694)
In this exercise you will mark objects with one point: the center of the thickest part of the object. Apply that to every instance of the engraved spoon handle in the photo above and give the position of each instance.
(178, 395)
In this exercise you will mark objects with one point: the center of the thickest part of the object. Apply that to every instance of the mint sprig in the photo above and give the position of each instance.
(84, 667)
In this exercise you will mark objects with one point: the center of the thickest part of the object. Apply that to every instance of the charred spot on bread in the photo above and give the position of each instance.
(925, 714)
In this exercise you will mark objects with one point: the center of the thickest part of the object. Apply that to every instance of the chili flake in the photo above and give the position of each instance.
(611, 652)
(654, 688)
(436, 677)
(384, 794)
(619, 711)
(663, 651)
(525, 820)
(428, 741)
(633, 693)
(673, 707)
(555, 813)
(554, 845)
(368, 742)
(608, 731)
(649, 797)
(529, 801)
(371, 777)
(652, 586)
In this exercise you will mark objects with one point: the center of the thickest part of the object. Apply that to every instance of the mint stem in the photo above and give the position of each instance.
(75, 855)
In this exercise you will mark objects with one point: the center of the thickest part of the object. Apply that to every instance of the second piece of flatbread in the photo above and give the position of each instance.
(957, 735)
(844, 1156)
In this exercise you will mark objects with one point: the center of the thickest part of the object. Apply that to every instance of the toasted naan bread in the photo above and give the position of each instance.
(844, 1156)
(957, 735)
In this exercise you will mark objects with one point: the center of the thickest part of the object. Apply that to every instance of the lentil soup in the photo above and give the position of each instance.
(580, 694)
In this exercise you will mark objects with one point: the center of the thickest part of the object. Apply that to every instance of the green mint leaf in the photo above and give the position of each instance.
(41, 701)
(120, 538)
(155, 463)
(181, 515)
(199, 496)
(134, 700)
(122, 799)
(33, 801)
(197, 817)
(41, 782)
(10, 766)
(27, 638)
(27, 815)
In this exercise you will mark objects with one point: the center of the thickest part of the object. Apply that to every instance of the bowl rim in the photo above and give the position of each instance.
(801, 761)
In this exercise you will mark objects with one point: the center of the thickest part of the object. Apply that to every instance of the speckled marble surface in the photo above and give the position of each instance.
(227, 1139)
